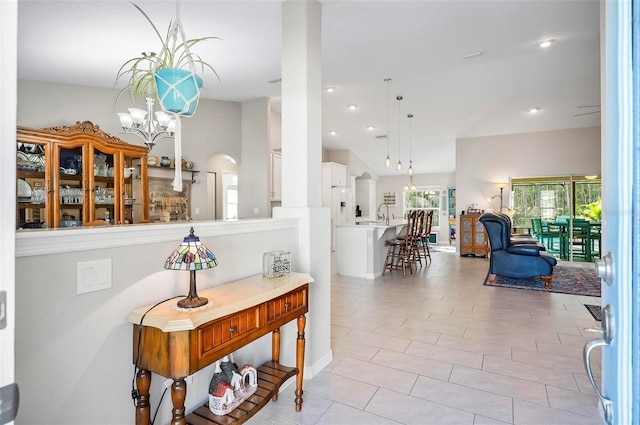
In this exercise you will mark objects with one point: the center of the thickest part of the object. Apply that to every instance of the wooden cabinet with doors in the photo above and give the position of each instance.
(473, 237)
(79, 176)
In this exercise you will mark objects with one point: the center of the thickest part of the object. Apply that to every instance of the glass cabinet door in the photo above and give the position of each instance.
(70, 186)
(103, 199)
(33, 188)
(132, 189)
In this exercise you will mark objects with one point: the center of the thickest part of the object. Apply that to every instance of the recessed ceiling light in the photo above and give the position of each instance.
(371, 128)
(534, 110)
(473, 55)
(353, 107)
(331, 89)
(332, 132)
(546, 43)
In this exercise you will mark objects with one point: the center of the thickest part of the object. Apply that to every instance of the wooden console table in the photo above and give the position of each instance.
(176, 343)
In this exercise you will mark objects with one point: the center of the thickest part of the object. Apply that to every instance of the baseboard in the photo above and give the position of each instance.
(316, 368)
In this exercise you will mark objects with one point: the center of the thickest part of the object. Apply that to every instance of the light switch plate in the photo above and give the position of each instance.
(94, 275)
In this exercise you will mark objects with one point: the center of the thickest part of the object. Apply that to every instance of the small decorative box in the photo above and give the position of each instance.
(276, 264)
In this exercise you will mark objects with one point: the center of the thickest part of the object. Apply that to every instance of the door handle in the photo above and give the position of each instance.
(604, 268)
(607, 406)
(607, 331)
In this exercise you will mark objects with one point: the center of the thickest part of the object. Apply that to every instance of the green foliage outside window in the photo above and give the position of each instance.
(549, 199)
(423, 199)
(593, 211)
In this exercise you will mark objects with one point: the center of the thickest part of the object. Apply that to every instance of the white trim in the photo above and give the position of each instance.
(54, 241)
(311, 371)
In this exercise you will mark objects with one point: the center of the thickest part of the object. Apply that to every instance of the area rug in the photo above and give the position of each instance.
(567, 279)
(595, 311)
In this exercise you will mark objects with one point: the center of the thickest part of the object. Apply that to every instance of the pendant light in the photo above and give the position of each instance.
(399, 166)
(410, 171)
(387, 161)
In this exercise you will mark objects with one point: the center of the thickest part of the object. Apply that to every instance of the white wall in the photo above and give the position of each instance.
(214, 128)
(253, 169)
(74, 352)
(354, 164)
(275, 130)
(483, 161)
(395, 184)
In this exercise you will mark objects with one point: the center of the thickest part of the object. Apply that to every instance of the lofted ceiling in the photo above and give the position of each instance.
(420, 45)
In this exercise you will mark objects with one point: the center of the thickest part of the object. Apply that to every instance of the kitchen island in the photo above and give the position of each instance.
(360, 248)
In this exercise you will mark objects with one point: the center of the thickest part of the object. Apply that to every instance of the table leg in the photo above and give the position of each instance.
(178, 395)
(302, 320)
(275, 352)
(143, 382)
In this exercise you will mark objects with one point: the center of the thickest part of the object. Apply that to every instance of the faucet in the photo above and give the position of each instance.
(385, 218)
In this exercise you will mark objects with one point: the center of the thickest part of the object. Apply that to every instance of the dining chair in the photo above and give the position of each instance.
(579, 241)
(548, 235)
(595, 232)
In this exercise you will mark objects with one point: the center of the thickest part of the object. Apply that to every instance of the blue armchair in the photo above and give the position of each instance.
(512, 259)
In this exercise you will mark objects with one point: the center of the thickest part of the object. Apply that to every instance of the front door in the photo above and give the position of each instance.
(618, 269)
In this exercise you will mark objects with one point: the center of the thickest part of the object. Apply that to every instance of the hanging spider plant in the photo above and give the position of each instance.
(139, 71)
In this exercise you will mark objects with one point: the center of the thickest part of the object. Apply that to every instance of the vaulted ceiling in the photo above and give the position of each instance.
(465, 68)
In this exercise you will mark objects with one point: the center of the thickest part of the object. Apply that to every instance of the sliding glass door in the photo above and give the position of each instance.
(563, 212)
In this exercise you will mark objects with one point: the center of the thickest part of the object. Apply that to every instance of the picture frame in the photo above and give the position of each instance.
(162, 197)
(389, 199)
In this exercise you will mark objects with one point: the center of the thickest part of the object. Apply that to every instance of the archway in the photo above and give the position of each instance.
(218, 165)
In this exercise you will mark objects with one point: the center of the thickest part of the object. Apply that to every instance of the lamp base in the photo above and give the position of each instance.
(192, 302)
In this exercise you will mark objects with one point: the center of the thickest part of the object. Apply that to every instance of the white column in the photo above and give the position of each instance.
(301, 104)
(302, 168)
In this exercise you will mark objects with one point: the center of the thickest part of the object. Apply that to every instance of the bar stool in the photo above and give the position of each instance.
(401, 253)
(423, 242)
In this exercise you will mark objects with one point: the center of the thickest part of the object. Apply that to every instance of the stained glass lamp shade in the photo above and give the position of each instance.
(190, 256)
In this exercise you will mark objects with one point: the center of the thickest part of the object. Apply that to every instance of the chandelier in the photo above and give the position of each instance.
(411, 185)
(142, 124)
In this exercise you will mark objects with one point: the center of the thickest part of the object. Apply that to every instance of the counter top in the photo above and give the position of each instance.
(365, 224)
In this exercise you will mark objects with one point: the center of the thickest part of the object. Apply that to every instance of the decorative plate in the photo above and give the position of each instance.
(24, 189)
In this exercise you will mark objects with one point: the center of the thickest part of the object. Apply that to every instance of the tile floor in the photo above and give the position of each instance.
(438, 347)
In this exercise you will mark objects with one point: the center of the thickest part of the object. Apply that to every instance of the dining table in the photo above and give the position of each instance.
(584, 239)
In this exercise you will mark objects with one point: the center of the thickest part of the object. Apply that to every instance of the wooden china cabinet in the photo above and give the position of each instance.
(473, 237)
(79, 176)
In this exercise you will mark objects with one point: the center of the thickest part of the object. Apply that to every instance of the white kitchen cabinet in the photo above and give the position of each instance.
(276, 176)
(334, 173)
(366, 198)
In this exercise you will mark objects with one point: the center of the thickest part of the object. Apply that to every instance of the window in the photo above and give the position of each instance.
(424, 198)
(548, 198)
(230, 195)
